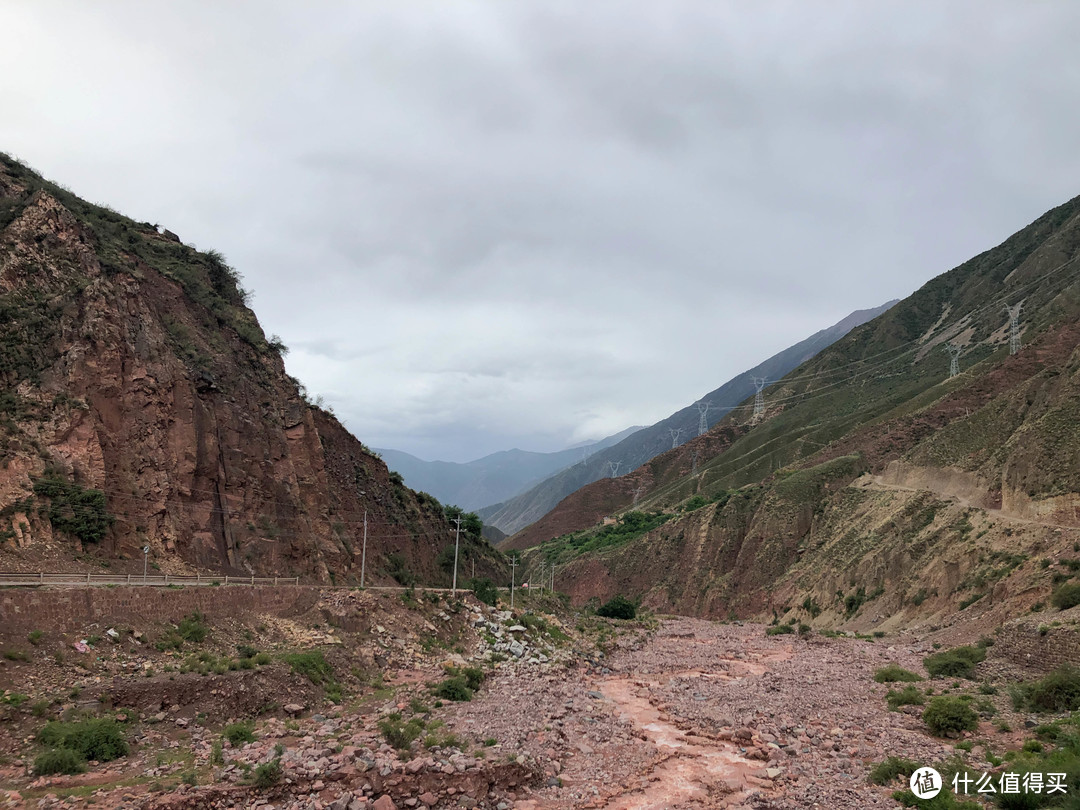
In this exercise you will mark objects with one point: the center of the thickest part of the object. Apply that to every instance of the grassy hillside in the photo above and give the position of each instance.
(877, 406)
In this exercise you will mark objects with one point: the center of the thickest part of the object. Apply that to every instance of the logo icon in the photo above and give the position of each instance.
(926, 783)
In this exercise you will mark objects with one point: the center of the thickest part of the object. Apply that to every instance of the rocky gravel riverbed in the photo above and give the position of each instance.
(689, 714)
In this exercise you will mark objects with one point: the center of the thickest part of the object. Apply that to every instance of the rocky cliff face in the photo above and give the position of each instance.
(131, 365)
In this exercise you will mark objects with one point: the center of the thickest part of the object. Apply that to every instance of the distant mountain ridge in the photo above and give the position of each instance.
(494, 477)
(647, 443)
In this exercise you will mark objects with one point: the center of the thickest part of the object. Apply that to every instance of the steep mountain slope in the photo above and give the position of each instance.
(141, 404)
(647, 443)
(492, 478)
(873, 474)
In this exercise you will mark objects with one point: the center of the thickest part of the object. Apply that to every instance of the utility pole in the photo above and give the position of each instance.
(954, 358)
(145, 557)
(543, 574)
(457, 544)
(1014, 327)
(675, 433)
(363, 554)
(552, 589)
(703, 423)
(759, 398)
(513, 571)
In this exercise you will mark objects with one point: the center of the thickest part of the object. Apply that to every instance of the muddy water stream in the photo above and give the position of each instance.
(696, 770)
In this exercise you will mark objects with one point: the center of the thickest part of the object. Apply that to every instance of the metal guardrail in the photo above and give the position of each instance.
(157, 580)
(24, 579)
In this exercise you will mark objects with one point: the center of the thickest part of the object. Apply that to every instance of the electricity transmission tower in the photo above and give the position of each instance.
(1014, 327)
(613, 468)
(637, 493)
(954, 358)
(703, 423)
(675, 433)
(693, 464)
(759, 398)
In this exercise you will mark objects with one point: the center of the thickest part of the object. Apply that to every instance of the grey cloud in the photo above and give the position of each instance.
(486, 224)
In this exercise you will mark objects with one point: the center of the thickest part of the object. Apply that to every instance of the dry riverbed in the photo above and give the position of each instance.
(710, 715)
(690, 714)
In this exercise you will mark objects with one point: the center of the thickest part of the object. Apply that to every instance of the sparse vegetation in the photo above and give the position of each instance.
(453, 688)
(401, 733)
(811, 607)
(58, 760)
(958, 662)
(193, 628)
(894, 673)
(396, 568)
(779, 630)
(885, 772)
(629, 526)
(908, 696)
(460, 684)
(618, 607)
(947, 714)
(1066, 596)
(80, 512)
(485, 590)
(1057, 692)
(239, 733)
(312, 665)
(98, 738)
(267, 774)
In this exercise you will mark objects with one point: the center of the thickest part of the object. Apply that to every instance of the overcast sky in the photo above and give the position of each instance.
(523, 224)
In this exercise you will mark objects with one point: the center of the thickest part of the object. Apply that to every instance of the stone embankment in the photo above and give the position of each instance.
(63, 610)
